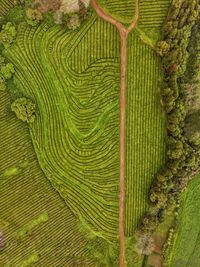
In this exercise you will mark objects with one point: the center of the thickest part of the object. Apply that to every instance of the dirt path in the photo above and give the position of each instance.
(124, 35)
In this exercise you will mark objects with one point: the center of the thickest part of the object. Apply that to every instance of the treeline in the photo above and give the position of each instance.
(178, 49)
(70, 13)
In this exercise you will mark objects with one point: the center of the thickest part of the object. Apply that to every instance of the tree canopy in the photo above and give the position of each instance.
(24, 109)
(8, 34)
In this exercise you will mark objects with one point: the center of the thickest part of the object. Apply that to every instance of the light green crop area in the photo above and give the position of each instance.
(186, 249)
(76, 133)
(34, 219)
(152, 12)
(145, 146)
(73, 77)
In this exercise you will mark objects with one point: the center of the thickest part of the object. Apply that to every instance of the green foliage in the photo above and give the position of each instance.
(162, 48)
(8, 34)
(94, 199)
(25, 197)
(7, 71)
(34, 16)
(72, 21)
(24, 109)
(2, 85)
(16, 14)
(11, 171)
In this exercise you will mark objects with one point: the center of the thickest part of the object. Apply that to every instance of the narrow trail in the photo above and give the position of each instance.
(124, 35)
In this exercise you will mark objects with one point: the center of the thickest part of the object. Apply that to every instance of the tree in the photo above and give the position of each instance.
(2, 85)
(73, 21)
(162, 48)
(8, 34)
(7, 71)
(145, 244)
(34, 16)
(24, 109)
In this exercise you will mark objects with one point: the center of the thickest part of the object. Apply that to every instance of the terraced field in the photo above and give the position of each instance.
(88, 117)
(36, 224)
(74, 79)
(76, 131)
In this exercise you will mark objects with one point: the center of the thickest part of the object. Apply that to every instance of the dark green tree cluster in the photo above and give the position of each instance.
(24, 109)
(177, 49)
(73, 20)
(6, 72)
(8, 34)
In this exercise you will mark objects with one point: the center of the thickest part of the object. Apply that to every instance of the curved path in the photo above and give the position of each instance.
(124, 35)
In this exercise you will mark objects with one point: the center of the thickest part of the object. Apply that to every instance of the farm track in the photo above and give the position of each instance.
(124, 35)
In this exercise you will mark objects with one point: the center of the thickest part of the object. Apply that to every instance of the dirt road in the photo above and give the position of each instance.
(124, 35)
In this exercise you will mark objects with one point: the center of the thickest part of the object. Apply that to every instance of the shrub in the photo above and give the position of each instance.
(7, 71)
(73, 21)
(2, 85)
(162, 48)
(145, 244)
(24, 109)
(8, 34)
(34, 16)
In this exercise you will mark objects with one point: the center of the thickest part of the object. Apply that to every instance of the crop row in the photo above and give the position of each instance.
(145, 151)
(5, 6)
(76, 132)
(24, 197)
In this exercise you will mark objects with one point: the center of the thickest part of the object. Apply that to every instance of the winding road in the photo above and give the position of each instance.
(124, 35)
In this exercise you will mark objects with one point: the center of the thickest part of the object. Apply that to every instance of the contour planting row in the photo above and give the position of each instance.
(26, 196)
(153, 13)
(101, 41)
(145, 129)
(121, 10)
(82, 163)
(5, 6)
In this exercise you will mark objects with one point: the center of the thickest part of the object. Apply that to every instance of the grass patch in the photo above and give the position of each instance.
(185, 252)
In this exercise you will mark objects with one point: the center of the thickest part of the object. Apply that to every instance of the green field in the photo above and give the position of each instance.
(76, 131)
(185, 252)
(5, 6)
(64, 168)
(145, 146)
(33, 217)
(78, 116)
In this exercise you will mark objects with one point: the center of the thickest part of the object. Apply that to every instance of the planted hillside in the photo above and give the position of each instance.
(34, 220)
(109, 99)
